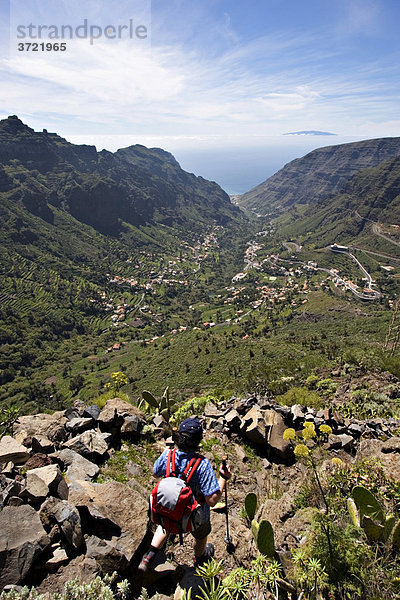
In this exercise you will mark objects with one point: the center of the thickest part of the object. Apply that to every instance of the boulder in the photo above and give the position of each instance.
(92, 412)
(89, 444)
(22, 541)
(159, 421)
(41, 482)
(72, 413)
(79, 424)
(12, 451)
(115, 411)
(49, 426)
(58, 559)
(66, 516)
(334, 442)
(347, 442)
(134, 469)
(10, 488)
(298, 412)
(213, 411)
(391, 445)
(76, 466)
(112, 509)
(279, 447)
(253, 426)
(232, 419)
(50, 475)
(85, 569)
(108, 556)
(36, 461)
(42, 444)
(132, 425)
(379, 449)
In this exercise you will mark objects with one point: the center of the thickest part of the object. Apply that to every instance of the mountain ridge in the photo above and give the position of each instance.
(317, 175)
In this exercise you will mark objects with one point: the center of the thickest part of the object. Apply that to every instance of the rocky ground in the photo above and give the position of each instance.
(57, 522)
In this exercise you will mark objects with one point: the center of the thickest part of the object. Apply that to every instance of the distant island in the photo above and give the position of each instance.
(311, 132)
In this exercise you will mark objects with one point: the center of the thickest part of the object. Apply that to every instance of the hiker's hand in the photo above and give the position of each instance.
(225, 471)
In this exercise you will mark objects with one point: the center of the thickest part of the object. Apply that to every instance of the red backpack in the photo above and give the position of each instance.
(172, 502)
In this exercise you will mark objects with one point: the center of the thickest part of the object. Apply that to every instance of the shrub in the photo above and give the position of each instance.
(300, 395)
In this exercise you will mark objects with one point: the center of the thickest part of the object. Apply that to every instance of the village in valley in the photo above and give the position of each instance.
(268, 282)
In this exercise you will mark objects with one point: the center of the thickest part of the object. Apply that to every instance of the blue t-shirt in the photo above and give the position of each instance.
(203, 480)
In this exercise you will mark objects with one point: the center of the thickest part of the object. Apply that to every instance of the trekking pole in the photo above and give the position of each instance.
(230, 548)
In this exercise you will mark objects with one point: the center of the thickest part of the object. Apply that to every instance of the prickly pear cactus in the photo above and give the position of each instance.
(374, 531)
(367, 504)
(250, 505)
(149, 398)
(254, 529)
(353, 512)
(265, 539)
(396, 536)
(389, 523)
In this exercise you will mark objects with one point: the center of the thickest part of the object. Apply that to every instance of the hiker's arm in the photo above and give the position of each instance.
(225, 474)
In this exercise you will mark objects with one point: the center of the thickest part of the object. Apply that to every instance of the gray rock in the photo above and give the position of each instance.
(22, 541)
(107, 437)
(79, 424)
(391, 445)
(12, 451)
(92, 412)
(57, 560)
(214, 425)
(50, 475)
(280, 447)
(255, 432)
(12, 488)
(159, 421)
(355, 429)
(66, 516)
(132, 425)
(41, 482)
(76, 466)
(42, 445)
(347, 442)
(232, 419)
(85, 569)
(71, 413)
(298, 412)
(50, 426)
(134, 469)
(89, 444)
(107, 555)
(115, 411)
(213, 411)
(15, 501)
(112, 509)
(241, 454)
(334, 442)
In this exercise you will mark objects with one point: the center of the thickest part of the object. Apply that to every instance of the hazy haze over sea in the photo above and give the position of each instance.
(237, 170)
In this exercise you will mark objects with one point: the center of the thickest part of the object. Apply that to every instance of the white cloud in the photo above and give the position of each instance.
(267, 86)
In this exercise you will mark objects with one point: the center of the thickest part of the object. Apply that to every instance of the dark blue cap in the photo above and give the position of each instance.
(192, 427)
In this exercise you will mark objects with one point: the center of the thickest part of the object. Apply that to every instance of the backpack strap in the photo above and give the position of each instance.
(170, 468)
(191, 468)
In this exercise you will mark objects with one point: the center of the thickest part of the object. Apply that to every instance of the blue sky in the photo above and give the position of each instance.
(212, 74)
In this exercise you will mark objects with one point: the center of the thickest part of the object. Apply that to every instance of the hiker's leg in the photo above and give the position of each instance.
(199, 547)
(200, 536)
(159, 537)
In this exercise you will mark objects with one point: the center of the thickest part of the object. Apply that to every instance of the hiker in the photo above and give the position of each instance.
(204, 484)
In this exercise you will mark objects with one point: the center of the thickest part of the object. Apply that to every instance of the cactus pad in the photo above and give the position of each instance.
(265, 539)
(250, 505)
(367, 504)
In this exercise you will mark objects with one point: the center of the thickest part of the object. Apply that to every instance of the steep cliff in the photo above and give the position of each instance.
(318, 175)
